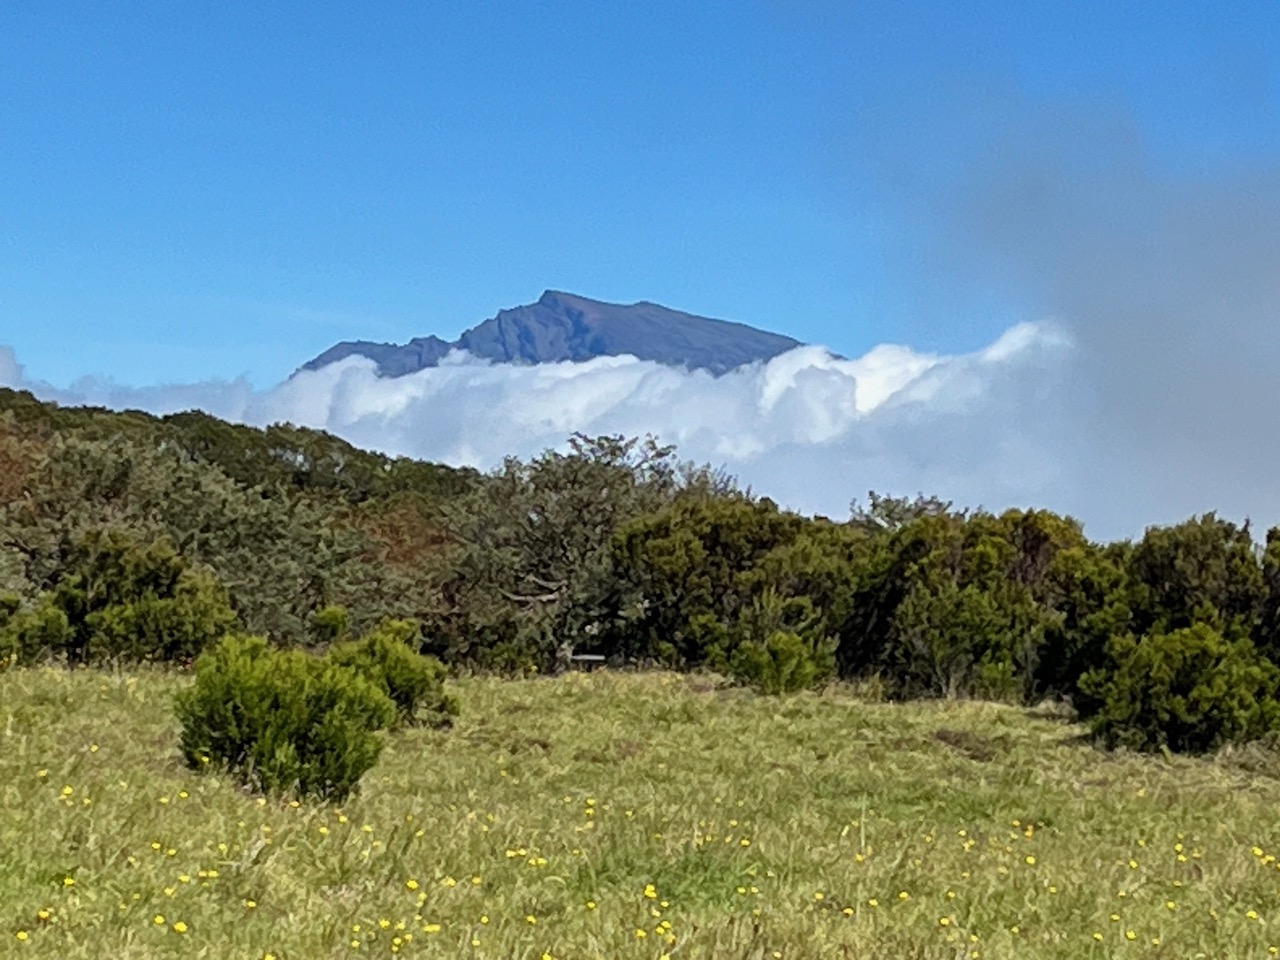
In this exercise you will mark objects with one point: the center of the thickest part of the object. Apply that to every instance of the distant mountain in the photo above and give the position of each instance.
(561, 326)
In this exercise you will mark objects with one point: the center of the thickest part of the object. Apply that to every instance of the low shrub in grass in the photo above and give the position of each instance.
(387, 657)
(29, 633)
(282, 721)
(783, 663)
(1190, 690)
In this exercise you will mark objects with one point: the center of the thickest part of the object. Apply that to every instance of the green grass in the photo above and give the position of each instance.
(631, 816)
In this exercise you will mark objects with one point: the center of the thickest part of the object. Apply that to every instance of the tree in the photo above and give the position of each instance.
(684, 567)
(279, 558)
(1267, 634)
(128, 601)
(1088, 588)
(533, 566)
(888, 514)
(957, 604)
(1190, 689)
(821, 564)
(1204, 570)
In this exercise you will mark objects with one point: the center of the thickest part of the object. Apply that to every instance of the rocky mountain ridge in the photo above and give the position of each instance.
(564, 326)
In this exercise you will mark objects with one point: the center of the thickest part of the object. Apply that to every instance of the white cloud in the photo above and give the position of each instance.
(811, 430)
(1018, 423)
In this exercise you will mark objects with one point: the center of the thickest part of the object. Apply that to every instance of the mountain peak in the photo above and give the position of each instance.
(565, 326)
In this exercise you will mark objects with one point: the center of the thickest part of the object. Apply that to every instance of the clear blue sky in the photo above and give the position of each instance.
(193, 190)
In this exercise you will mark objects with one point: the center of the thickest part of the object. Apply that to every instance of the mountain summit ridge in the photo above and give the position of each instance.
(565, 326)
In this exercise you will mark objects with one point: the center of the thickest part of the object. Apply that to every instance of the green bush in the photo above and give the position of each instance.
(415, 683)
(329, 625)
(963, 641)
(32, 633)
(1190, 690)
(282, 721)
(126, 600)
(784, 663)
(170, 628)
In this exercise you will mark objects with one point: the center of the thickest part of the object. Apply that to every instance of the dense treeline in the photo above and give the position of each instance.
(127, 536)
(286, 520)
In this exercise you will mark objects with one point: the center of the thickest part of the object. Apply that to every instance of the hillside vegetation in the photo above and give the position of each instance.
(613, 816)
(127, 538)
(265, 695)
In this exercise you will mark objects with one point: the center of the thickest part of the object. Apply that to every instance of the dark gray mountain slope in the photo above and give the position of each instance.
(561, 326)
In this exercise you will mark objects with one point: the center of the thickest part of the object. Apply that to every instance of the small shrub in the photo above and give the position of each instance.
(282, 721)
(34, 633)
(1190, 690)
(510, 658)
(784, 663)
(415, 683)
(707, 634)
(329, 625)
(170, 628)
(129, 600)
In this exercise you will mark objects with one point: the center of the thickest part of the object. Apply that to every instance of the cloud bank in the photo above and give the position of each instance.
(808, 429)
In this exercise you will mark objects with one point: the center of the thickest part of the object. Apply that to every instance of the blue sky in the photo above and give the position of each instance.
(207, 190)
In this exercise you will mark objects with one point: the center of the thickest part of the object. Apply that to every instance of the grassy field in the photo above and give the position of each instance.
(632, 816)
